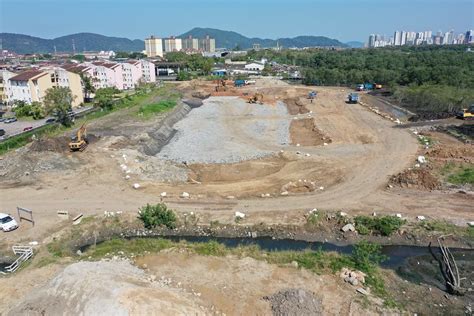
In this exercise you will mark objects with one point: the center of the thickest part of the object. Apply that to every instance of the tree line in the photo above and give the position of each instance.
(451, 66)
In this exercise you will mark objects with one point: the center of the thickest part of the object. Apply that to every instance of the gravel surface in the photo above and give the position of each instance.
(228, 130)
(295, 302)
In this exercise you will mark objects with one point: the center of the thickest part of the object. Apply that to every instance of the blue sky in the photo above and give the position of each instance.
(344, 20)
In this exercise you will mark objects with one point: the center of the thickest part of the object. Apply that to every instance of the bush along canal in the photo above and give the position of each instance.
(412, 263)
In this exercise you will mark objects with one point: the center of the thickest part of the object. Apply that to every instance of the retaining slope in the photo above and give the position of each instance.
(163, 134)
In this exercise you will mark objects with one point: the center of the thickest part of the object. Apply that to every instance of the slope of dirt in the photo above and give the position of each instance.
(416, 178)
(305, 133)
(296, 106)
(105, 288)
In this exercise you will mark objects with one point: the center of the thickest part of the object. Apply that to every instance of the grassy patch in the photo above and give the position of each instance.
(383, 225)
(446, 228)
(149, 110)
(463, 176)
(136, 246)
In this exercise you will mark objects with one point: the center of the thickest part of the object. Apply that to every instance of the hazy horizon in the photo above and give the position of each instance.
(342, 20)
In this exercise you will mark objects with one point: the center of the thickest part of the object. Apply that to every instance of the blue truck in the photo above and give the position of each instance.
(239, 83)
(353, 98)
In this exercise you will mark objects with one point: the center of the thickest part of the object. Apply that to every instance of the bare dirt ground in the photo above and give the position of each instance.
(350, 173)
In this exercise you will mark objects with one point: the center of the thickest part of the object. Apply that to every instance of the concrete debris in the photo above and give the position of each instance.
(298, 145)
(421, 159)
(352, 277)
(33, 243)
(230, 197)
(398, 215)
(420, 218)
(343, 214)
(362, 291)
(348, 227)
(136, 186)
(417, 165)
(127, 177)
(307, 155)
(325, 144)
(284, 193)
(294, 264)
(471, 224)
(239, 215)
(163, 194)
(321, 188)
(184, 195)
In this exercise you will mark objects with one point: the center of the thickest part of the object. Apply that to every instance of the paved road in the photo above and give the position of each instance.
(18, 127)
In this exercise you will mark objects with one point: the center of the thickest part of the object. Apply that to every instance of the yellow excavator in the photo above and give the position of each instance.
(466, 114)
(257, 97)
(79, 141)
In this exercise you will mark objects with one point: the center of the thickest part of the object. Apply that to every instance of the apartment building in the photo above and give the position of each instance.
(5, 93)
(153, 47)
(31, 85)
(132, 73)
(207, 44)
(172, 44)
(190, 44)
(106, 75)
(148, 70)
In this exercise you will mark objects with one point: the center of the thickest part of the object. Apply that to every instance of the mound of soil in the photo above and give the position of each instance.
(201, 94)
(56, 144)
(416, 178)
(299, 187)
(465, 152)
(295, 106)
(297, 302)
(305, 133)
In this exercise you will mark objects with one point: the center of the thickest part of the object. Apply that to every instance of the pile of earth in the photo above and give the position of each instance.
(429, 115)
(416, 178)
(295, 106)
(305, 133)
(464, 153)
(55, 144)
(297, 302)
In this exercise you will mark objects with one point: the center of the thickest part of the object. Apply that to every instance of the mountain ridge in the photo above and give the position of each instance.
(26, 44)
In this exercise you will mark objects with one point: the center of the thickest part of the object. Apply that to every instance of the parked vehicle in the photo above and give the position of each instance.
(360, 87)
(239, 82)
(28, 128)
(7, 222)
(50, 120)
(353, 98)
(10, 120)
(2, 119)
(2, 132)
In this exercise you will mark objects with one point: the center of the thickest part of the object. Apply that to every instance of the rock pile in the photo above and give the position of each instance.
(352, 276)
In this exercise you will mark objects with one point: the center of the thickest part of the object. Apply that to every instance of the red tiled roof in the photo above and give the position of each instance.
(27, 75)
(75, 68)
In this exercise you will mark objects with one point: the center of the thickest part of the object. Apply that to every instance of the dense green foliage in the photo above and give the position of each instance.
(194, 62)
(183, 76)
(34, 110)
(133, 55)
(157, 215)
(434, 98)
(104, 97)
(383, 225)
(58, 102)
(452, 66)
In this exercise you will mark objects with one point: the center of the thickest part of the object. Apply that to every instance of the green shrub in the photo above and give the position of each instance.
(367, 256)
(157, 215)
(149, 110)
(384, 225)
(465, 176)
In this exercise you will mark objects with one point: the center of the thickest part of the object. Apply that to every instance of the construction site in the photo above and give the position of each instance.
(268, 150)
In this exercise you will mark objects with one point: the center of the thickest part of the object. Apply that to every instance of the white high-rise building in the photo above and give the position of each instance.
(403, 40)
(397, 38)
(372, 40)
(153, 47)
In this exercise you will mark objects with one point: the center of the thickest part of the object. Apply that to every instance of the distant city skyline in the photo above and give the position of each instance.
(423, 37)
(342, 20)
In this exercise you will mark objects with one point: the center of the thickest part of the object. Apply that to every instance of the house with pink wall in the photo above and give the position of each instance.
(132, 74)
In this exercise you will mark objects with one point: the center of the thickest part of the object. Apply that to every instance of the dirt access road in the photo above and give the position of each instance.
(353, 170)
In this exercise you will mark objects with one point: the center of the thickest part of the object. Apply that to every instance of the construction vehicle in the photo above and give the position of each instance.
(378, 86)
(353, 98)
(79, 142)
(239, 82)
(466, 114)
(360, 87)
(312, 95)
(221, 85)
(257, 97)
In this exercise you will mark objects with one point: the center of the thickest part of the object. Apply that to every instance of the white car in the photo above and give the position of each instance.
(7, 222)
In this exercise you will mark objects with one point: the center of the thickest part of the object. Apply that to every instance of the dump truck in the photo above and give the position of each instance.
(239, 83)
(466, 114)
(353, 98)
(79, 141)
